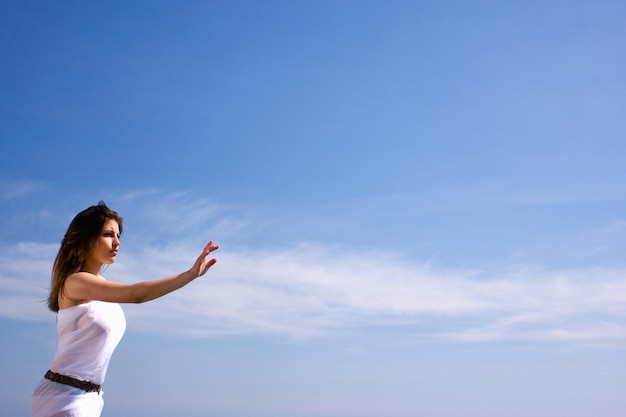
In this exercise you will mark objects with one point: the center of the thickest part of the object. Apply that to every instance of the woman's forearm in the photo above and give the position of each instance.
(150, 290)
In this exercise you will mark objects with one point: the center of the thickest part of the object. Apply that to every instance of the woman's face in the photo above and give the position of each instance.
(107, 245)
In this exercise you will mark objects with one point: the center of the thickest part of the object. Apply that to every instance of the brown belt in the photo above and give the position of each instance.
(73, 382)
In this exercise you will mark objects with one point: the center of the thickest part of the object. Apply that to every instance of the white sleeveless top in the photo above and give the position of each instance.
(88, 335)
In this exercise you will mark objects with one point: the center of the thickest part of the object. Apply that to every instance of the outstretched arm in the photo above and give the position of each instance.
(83, 286)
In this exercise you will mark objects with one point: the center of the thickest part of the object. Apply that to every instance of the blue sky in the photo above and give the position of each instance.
(420, 205)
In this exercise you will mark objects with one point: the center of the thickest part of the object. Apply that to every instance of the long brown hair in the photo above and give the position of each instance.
(79, 241)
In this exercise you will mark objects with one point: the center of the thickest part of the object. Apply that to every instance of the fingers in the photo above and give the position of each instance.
(205, 267)
(210, 247)
(202, 265)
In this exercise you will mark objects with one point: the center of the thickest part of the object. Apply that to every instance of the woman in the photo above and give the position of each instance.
(90, 322)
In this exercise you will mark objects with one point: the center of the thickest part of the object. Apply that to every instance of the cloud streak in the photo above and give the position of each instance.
(316, 291)
(17, 189)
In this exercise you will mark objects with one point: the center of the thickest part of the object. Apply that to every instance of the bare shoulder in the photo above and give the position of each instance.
(74, 293)
(67, 297)
(81, 287)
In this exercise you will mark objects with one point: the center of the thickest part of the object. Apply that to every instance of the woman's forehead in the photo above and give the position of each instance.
(111, 225)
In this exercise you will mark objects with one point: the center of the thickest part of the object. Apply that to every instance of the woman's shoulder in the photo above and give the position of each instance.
(68, 298)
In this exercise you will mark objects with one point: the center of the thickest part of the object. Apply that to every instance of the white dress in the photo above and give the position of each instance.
(88, 335)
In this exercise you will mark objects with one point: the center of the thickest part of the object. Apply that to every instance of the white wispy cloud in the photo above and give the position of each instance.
(16, 189)
(312, 291)
(168, 216)
(25, 279)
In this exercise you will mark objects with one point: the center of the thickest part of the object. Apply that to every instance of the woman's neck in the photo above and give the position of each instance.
(92, 268)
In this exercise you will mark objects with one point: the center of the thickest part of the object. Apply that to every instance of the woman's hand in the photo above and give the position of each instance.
(202, 265)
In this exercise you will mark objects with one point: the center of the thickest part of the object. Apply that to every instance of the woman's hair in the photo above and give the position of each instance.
(79, 241)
